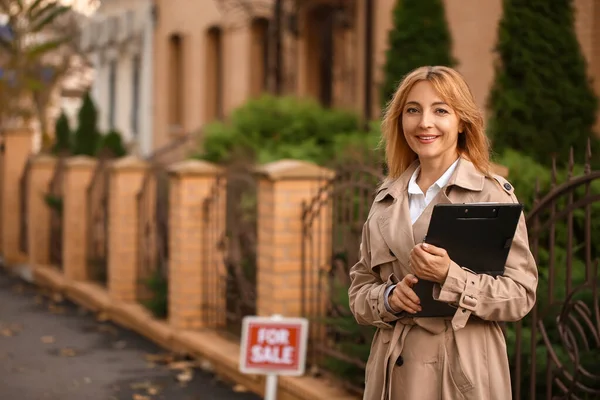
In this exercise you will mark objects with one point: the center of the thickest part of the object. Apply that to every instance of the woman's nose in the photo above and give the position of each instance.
(426, 121)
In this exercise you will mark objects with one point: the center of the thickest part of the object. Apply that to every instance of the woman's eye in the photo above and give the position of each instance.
(442, 111)
(411, 110)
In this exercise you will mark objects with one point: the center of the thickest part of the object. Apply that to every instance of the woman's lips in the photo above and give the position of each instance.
(426, 139)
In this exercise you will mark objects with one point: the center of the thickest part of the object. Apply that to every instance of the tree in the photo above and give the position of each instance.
(541, 102)
(87, 138)
(111, 145)
(62, 143)
(38, 48)
(420, 37)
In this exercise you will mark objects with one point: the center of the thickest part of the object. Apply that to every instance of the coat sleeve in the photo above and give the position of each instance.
(367, 289)
(509, 297)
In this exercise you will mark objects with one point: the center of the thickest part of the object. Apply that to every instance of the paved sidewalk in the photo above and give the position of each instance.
(60, 352)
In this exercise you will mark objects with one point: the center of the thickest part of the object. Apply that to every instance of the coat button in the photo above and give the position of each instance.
(399, 361)
(507, 186)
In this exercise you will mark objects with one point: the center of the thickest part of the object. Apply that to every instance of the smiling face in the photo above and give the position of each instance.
(430, 125)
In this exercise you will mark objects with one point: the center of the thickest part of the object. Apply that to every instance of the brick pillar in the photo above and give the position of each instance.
(126, 178)
(78, 175)
(42, 170)
(196, 296)
(17, 148)
(283, 186)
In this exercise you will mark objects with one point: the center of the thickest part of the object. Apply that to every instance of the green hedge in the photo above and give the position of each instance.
(271, 128)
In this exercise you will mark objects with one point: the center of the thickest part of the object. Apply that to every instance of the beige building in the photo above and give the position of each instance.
(212, 55)
(118, 40)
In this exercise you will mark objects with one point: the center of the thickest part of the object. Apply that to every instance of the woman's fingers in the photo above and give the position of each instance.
(404, 297)
(410, 294)
(410, 280)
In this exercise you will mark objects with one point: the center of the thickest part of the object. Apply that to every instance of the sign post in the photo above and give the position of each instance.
(273, 346)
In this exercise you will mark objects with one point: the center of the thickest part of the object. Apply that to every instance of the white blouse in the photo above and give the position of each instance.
(417, 200)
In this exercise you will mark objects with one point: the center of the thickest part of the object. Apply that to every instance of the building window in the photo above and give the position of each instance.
(214, 81)
(259, 55)
(320, 53)
(176, 83)
(112, 94)
(135, 95)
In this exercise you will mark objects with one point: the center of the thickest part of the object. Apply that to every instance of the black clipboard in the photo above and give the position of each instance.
(477, 236)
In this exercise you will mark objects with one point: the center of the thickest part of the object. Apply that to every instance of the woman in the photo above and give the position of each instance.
(437, 152)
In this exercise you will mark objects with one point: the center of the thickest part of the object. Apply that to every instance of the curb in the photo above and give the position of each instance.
(222, 353)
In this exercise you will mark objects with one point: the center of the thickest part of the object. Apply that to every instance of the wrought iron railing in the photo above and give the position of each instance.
(54, 200)
(23, 199)
(332, 226)
(235, 242)
(153, 241)
(214, 281)
(554, 350)
(152, 204)
(97, 220)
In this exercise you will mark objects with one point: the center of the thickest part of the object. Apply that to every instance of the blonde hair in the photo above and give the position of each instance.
(473, 144)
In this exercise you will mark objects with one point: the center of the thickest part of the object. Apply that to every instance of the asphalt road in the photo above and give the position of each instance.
(58, 351)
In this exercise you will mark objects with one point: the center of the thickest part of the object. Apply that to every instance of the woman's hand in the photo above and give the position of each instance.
(403, 297)
(429, 262)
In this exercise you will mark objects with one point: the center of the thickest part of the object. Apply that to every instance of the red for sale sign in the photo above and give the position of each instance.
(273, 345)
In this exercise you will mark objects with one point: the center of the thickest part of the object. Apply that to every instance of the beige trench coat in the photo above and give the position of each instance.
(463, 357)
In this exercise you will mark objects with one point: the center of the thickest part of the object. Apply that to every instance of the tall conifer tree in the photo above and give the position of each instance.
(420, 36)
(542, 102)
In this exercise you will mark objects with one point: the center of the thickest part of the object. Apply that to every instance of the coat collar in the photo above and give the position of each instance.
(465, 176)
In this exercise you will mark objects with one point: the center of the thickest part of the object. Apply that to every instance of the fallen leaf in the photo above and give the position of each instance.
(140, 397)
(68, 352)
(54, 309)
(57, 297)
(153, 390)
(107, 329)
(240, 388)
(164, 358)
(182, 365)
(102, 316)
(48, 339)
(206, 365)
(185, 376)
(7, 332)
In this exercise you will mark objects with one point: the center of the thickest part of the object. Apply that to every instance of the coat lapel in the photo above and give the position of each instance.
(422, 223)
(394, 221)
(396, 228)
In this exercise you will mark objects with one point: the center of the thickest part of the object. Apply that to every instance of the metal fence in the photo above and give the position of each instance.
(214, 248)
(54, 200)
(332, 226)
(97, 220)
(554, 350)
(153, 240)
(23, 198)
(236, 243)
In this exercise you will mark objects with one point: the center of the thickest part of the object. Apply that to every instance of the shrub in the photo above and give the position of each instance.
(271, 128)
(62, 143)
(112, 145)
(158, 286)
(86, 138)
